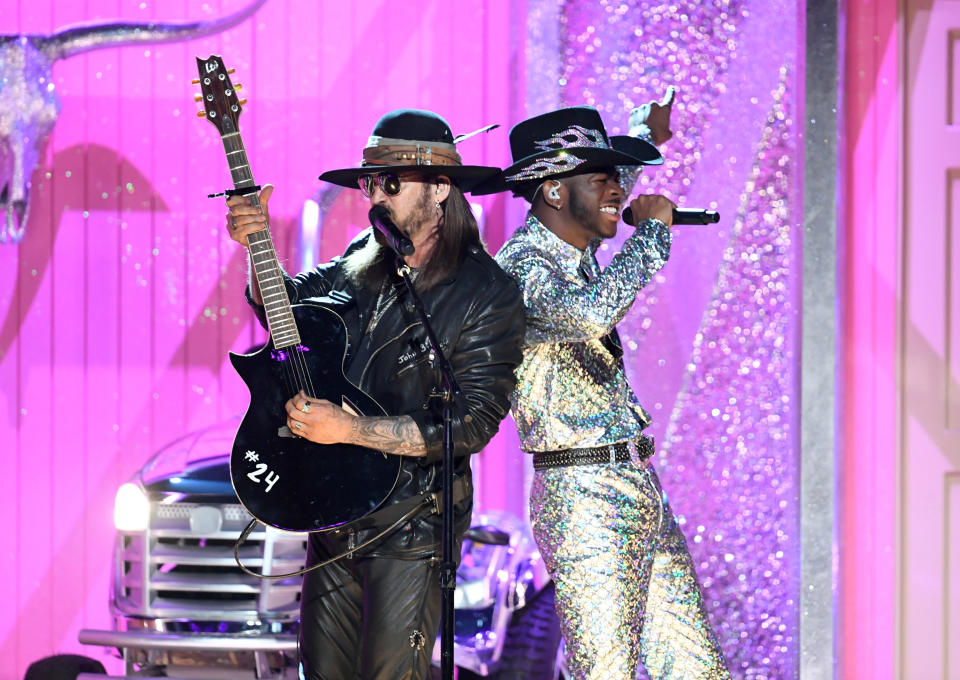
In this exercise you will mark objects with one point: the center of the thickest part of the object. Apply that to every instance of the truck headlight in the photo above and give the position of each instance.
(131, 509)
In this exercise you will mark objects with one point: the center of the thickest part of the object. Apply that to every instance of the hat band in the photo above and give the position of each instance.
(387, 151)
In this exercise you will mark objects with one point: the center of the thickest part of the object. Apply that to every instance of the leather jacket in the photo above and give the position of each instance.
(477, 315)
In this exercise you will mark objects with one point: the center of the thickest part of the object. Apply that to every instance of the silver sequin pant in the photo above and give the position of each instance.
(626, 590)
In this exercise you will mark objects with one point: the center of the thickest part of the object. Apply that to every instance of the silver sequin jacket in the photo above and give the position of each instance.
(571, 390)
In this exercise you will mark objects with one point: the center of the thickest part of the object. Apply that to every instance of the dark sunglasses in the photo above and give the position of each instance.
(389, 182)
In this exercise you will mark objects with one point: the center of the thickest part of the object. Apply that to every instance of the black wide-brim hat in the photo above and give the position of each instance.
(563, 143)
(411, 139)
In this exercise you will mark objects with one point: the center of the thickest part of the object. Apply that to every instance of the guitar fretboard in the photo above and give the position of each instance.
(280, 320)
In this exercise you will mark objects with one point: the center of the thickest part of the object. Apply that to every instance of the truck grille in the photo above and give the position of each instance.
(172, 571)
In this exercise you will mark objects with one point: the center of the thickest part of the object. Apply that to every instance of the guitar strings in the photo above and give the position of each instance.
(296, 373)
(290, 376)
(304, 381)
(295, 365)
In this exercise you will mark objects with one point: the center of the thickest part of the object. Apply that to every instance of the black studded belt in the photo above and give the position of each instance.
(620, 452)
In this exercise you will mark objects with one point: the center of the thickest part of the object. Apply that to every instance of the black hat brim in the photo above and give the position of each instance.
(465, 176)
(625, 151)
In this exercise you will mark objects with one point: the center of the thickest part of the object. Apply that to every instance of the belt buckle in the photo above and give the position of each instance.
(634, 453)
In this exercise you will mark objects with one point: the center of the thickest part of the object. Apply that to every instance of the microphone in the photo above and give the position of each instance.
(682, 216)
(396, 239)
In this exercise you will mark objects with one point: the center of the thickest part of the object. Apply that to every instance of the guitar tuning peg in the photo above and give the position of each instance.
(195, 81)
(231, 70)
(243, 102)
(238, 86)
(201, 114)
(197, 97)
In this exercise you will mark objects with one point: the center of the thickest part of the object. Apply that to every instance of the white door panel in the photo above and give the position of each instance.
(929, 508)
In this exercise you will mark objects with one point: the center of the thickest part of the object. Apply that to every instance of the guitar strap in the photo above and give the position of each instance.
(393, 515)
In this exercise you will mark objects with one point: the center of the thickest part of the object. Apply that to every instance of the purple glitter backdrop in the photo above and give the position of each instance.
(713, 339)
(734, 424)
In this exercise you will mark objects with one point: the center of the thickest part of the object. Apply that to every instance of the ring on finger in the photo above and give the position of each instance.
(306, 407)
(299, 426)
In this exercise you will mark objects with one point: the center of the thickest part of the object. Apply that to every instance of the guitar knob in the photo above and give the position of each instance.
(197, 97)
(238, 86)
(195, 81)
(231, 70)
(243, 102)
(201, 114)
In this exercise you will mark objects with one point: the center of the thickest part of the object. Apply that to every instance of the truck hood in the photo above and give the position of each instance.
(195, 466)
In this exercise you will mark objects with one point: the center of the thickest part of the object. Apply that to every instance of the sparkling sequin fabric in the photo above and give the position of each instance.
(572, 392)
(626, 590)
(629, 174)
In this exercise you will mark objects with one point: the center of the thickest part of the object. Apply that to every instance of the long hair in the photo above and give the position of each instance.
(457, 232)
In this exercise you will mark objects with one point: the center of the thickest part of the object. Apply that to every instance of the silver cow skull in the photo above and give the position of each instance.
(29, 104)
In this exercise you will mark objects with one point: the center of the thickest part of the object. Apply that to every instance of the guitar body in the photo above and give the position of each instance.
(286, 481)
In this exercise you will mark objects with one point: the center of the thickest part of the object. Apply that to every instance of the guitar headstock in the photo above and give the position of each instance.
(219, 96)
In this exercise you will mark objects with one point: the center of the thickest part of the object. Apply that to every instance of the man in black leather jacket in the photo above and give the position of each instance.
(375, 612)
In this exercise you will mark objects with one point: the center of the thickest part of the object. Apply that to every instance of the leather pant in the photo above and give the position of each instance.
(372, 618)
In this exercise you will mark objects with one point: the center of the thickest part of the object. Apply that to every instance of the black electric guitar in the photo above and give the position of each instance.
(283, 480)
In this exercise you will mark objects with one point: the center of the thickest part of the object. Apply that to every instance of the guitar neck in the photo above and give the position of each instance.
(266, 266)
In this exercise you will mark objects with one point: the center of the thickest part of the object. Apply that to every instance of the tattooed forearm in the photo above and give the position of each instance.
(399, 435)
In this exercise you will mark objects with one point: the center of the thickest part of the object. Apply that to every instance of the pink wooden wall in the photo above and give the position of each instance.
(120, 304)
(868, 281)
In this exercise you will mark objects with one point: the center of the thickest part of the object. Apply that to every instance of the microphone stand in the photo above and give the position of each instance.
(450, 394)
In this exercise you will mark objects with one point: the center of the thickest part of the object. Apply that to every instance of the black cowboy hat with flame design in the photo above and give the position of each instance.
(562, 143)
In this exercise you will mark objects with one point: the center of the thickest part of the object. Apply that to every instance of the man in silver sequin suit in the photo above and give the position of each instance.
(626, 591)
